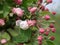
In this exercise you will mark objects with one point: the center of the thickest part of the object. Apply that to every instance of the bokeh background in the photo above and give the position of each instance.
(55, 6)
(57, 34)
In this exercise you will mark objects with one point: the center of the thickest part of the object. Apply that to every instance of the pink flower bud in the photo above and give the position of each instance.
(40, 38)
(47, 17)
(48, 29)
(40, 43)
(41, 30)
(42, 8)
(19, 2)
(47, 33)
(53, 30)
(46, 9)
(29, 8)
(51, 25)
(3, 41)
(18, 11)
(31, 22)
(53, 13)
(49, 1)
(33, 10)
(2, 22)
(52, 38)
(39, 2)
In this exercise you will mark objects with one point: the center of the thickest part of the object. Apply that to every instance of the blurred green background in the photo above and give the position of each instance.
(57, 34)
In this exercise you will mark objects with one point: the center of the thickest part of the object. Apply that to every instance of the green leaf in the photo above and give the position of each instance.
(6, 10)
(13, 32)
(35, 43)
(34, 28)
(10, 43)
(26, 3)
(32, 43)
(1, 6)
(45, 12)
(6, 36)
(50, 43)
(23, 36)
(44, 42)
(1, 10)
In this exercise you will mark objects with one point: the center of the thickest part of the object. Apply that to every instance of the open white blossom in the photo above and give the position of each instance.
(22, 24)
(18, 22)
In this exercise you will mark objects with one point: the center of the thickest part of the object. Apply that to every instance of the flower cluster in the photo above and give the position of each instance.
(35, 18)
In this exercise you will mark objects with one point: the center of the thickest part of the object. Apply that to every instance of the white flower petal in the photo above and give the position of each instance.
(24, 25)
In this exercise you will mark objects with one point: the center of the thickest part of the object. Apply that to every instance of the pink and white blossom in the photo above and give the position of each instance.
(19, 2)
(18, 11)
(31, 22)
(2, 22)
(32, 10)
(3, 41)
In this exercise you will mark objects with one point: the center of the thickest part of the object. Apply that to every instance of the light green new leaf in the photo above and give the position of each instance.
(13, 32)
(23, 36)
(6, 36)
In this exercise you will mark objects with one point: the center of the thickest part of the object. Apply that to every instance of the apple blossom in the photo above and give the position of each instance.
(40, 38)
(53, 30)
(2, 22)
(18, 11)
(31, 22)
(33, 9)
(46, 33)
(19, 2)
(53, 13)
(29, 8)
(42, 8)
(49, 1)
(24, 25)
(39, 2)
(46, 9)
(3, 41)
(41, 30)
(47, 17)
(40, 43)
(48, 29)
(18, 22)
(51, 25)
(52, 38)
